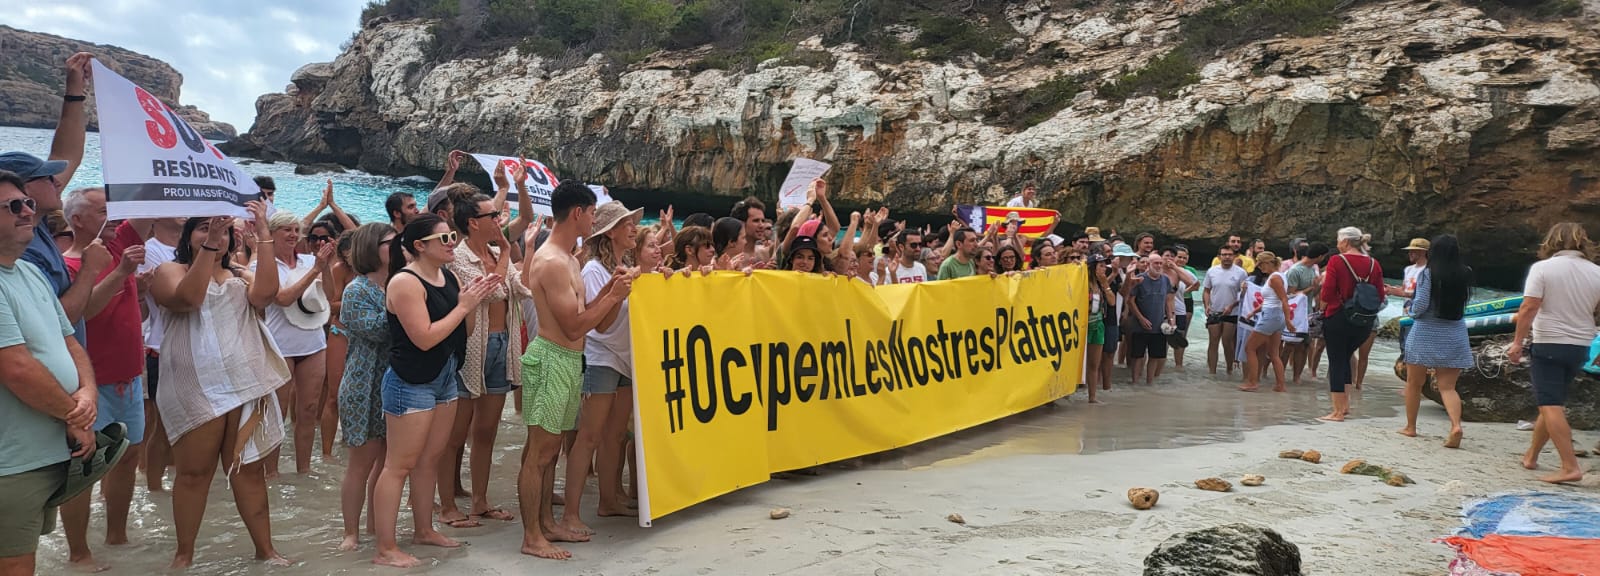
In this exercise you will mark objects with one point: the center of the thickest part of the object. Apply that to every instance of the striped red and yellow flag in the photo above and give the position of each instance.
(1036, 222)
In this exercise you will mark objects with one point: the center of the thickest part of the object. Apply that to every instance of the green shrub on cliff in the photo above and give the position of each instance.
(1536, 9)
(1162, 77)
(741, 33)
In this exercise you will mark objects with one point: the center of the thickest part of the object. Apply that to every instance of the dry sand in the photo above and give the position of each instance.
(1041, 493)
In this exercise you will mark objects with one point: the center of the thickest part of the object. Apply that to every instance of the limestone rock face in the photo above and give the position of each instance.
(1409, 119)
(1229, 550)
(33, 77)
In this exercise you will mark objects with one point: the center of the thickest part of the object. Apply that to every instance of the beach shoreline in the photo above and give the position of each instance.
(1040, 492)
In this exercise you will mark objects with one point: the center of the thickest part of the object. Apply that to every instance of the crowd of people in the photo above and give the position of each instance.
(169, 340)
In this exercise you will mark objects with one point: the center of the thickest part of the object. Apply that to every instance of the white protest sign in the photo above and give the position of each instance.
(155, 165)
(541, 180)
(793, 192)
(601, 195)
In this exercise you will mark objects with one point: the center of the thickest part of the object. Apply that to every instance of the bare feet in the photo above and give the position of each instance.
(544, 549)
(1530, 462)
(1454, 440)
(574, 525)
(1249, 388)
(1096, 402)
(1410, 432)
(396, 559)
(87, 565)
(495, 514)
(609, 510)
(559, 533)
(1563, 477)
(274, 559)
(181, 562)
(434, 538)
(1333, 417)
(350, 543)
(1279, 388)
(116, 539)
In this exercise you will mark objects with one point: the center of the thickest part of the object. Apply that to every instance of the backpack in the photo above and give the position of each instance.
(1361, 308)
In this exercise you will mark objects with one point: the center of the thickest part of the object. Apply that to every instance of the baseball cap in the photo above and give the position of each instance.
(29, 166)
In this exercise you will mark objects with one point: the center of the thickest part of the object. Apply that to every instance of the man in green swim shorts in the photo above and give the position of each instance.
(552, 367)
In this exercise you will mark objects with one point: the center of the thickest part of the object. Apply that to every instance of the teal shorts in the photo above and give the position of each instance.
(1097, 333)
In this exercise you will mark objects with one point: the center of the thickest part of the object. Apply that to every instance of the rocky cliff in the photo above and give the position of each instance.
(33, 76)
(1407, 118)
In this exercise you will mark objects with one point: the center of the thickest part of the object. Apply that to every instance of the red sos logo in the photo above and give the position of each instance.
(165, 129)
(536, 172)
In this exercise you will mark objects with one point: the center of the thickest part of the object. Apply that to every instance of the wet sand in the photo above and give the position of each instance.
(1042, 492)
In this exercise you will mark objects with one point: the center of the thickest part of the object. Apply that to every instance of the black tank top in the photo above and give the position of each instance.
(419, 366)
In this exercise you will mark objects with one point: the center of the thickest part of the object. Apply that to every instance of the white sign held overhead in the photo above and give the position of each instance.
(793, 192)
(154, 164)
(601, 195)
(541, 180)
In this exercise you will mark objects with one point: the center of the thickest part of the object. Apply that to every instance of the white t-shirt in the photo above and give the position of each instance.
(293, 341)
(1569, 285)
(1017, 202)
(612, 348)
(1224, 284)
(916, 273)
(155, 254)
(1409, 281)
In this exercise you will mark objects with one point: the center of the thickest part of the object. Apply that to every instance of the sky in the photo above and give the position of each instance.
(229, 51)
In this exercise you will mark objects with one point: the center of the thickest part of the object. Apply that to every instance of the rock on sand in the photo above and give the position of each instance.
(1143, 498)
(1213, 484)
(1233, 549)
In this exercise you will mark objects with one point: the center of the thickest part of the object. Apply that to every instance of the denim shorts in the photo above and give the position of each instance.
(1270, 321)
(495, 380)
(122, 402)
(401, 397)
(603, 380)
(1552, 369)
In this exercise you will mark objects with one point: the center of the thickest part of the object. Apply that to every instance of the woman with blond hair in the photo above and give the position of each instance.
(1349, 311)
(1555, 325)
(1269, 320)
(305, 348)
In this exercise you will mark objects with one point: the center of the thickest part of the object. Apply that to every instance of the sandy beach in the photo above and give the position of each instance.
(1041, 493)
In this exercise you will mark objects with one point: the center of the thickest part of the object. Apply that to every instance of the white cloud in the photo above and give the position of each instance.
(229, 52)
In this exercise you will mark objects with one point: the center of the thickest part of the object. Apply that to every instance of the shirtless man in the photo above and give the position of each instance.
(552, 367)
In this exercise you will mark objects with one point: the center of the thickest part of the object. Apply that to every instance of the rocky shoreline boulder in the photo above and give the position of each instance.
(1228, 550)
(1499, 391)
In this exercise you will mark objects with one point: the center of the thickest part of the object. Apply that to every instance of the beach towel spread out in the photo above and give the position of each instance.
(1529, 534)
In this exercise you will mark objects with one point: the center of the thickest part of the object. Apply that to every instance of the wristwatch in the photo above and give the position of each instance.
(73, 98)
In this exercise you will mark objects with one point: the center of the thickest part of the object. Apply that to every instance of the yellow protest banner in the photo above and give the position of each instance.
(737, 377)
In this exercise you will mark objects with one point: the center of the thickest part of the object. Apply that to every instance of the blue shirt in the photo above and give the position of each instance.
(1151, 298)
(31, 317)
(44, 255)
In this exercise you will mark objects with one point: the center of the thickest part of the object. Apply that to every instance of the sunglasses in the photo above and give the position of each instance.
(318, 238)
(494, 214)
(16, 205)
(988, 257)
(914, 244)
(445, 238)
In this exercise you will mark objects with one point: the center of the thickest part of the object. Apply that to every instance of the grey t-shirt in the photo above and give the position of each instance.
(1225, 284)
(1151, 298)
